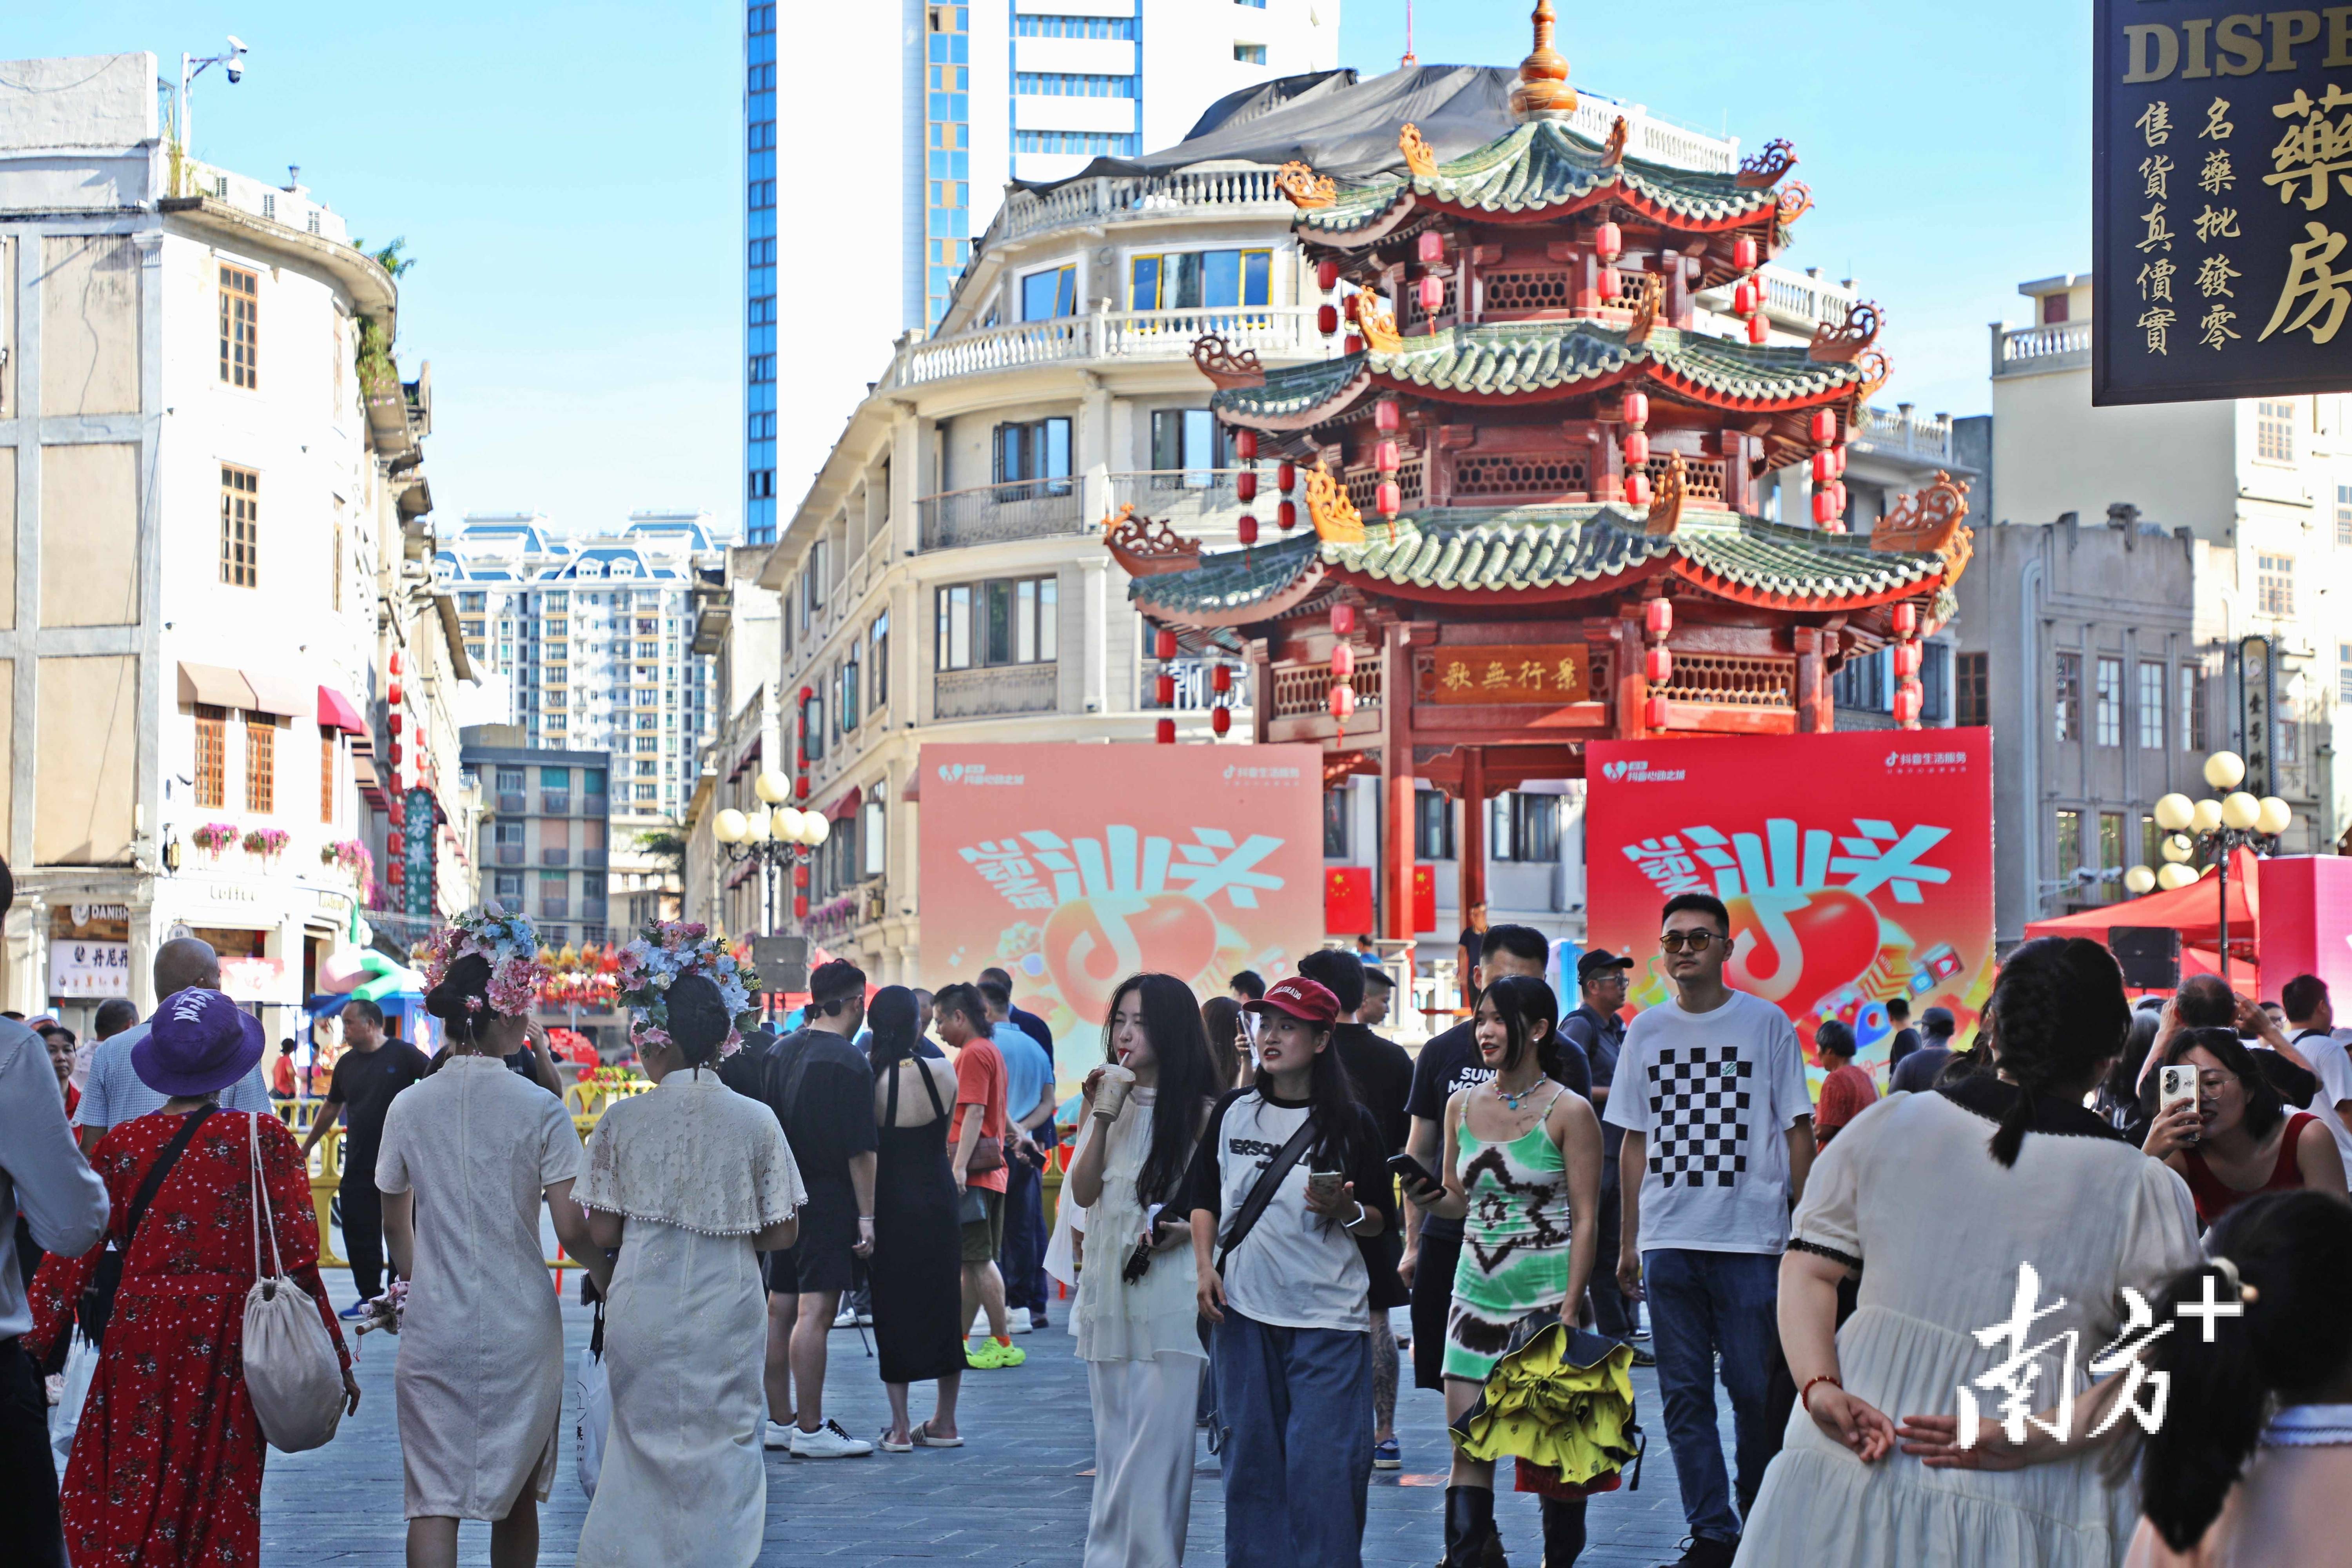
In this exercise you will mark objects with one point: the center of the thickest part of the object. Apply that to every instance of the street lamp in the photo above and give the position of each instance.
(2218, 828)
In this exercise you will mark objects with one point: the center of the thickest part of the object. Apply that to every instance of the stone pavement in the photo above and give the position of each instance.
(1016, 1494)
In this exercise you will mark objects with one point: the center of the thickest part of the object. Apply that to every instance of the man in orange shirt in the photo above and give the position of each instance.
(1847, 1091)
(962, 1022)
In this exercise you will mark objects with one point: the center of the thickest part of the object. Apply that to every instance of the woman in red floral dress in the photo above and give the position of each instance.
(166, 1465)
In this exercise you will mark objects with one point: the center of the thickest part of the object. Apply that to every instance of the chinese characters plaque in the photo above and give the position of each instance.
(1550, 672)
(2222, 218)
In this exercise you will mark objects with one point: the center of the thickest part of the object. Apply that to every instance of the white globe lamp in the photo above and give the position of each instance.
(2139, 880)
(2239, 810)
(2175, 875)
(729, 825)
(2177, 848)
(2173, 811)
(814, 829)
(2206, 817)
(2277, 816)
(2224, 769)
(756, 827)
(773, 786)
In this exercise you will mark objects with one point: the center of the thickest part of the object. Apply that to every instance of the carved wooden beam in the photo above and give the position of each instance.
(1335, 516)
(1842, 344)
(1215, 358)
(1419, 156)
(1147, 548)
(1666, 505)
(1304, 187)
(1764, 170)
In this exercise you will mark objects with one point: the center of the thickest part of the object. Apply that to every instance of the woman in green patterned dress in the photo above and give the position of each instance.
(1523, 1174)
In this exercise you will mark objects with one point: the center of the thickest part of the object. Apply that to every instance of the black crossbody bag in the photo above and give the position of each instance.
(1261, 1195)
(96, 1307)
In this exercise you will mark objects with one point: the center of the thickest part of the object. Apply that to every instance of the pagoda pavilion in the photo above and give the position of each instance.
(1516, 513)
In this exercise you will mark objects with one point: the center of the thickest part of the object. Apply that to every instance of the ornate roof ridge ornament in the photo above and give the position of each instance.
(1612, 152)
(1146, 547)
(1842, 344)
(1667, 504)
(1649, 297)
(1926, 521)
(1218, 360)
(1796, 201)
(1542, 92)
(1776, 158)
(1336, 519)
(1304, 187)
(1419, 157)
(1876, 368)
(1377, 322)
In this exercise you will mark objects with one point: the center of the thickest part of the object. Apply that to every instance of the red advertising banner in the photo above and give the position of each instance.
(1857, 868)
(2307, 914)
(1074, 866)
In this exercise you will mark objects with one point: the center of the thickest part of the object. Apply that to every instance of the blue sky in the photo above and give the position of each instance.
(567, 176)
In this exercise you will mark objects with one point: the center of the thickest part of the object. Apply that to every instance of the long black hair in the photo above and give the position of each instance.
(1187, 1077)
(2059, 1010)
(698, 1019)
(2264, 1109)
(891, 1016)
(462, 1000)
(1221, 1015)
(1520, 1003)
(1330, 1101)
(2291, 1254)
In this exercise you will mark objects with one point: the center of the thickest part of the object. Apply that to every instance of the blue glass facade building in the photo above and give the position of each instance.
(760, 276)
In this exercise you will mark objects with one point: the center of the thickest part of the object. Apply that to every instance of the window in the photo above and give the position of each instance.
(1335, 823)
(2274, 430)
(473, 604)
(763, 369)
(212, 756)
(506, 886)
(2151, 842)
(2192, 709)
(1433, 825)
(2111, 845)
(1249, 54)
(240, 327)
(2344, 515)
(1072, 84)
(509, 781)
(335, 571)
(1975, 692)
(813, 741)
(260, 762)
(2274, 584)
(1188, 440)
(555, 778)
(1113, 27)
(763, 252)
(2067, 701)
(2070, 846)
(1048, 294)
(878, 661)
(763, 20)
(763, 313)
(1866, 683)
(1524, 827)
(1006, 621)
(1094, 143)
(2344, 672)
(1196, 280)
(870, 836)
(760, 137)
(2110, 693)
(2054, 308)
(851, 690)
(240, 527)
(2152, 682)
(1037, 449)
(326, 777)
(761, 78)
(762, 195)
(1935, 682)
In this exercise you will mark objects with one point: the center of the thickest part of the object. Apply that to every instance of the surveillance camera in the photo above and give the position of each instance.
(235, 75)
(237, 43)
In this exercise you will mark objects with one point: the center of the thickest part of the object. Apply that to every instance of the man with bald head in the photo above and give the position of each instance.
(113, 1093)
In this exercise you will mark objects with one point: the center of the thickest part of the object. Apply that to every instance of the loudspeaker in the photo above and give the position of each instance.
(2149, 955)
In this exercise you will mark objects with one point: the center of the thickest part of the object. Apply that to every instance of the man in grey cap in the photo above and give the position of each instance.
(1918, 1071)
(1601, 978)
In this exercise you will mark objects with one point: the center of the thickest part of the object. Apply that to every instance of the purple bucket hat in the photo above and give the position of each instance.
(198, 1041)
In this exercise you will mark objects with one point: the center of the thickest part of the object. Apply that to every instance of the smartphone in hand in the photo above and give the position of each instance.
(2176, 1084)
(1139, 1262)
(1414, 1174)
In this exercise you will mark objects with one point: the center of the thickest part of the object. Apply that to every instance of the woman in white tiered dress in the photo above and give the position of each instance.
(692, 1182)
(1917, 1196)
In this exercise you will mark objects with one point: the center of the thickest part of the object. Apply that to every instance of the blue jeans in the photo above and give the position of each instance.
(1703, 1305)
(1021, 1258)
(1295, 1409)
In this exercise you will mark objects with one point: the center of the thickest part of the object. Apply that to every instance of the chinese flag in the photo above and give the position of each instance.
(1424, 900)
(1347, 900)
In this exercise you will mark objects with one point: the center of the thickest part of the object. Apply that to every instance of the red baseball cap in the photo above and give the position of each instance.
(1300, 997)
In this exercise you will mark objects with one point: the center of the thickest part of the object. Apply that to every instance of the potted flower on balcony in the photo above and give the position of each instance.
(214, 838)
(268, 842)
(350, 855)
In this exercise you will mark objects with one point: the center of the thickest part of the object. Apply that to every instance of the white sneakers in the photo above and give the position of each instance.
(830, 1441)
(779, 1435)
(1015, 1323)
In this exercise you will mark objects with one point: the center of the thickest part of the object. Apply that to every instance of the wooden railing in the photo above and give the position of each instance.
(1303, 689)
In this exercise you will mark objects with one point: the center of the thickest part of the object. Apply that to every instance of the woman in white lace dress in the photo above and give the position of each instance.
(1136, 1319)
(692, 1182)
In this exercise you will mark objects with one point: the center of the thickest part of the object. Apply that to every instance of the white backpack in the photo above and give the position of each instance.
(291, 1372)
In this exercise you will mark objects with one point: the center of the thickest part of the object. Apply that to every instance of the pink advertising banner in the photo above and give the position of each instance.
(2307, 924)
(1074, 866)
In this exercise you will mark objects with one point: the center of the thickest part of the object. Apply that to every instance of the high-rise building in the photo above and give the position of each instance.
(979, 95)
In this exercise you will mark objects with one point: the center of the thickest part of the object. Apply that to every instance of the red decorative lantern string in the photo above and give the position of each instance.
(1743, 254)
(1432, 295)
(1285, 515)
(1824, 427)
(1759, 331)
(1429, 249)
(1608, 242)
(1326, 319)
(1327, 275)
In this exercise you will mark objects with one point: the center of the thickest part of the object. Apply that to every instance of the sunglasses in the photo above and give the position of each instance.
(1694, 940)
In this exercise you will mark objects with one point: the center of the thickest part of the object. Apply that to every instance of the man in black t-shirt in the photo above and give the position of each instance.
(1596, 1027)
(1447, 1063)
(370, 1070)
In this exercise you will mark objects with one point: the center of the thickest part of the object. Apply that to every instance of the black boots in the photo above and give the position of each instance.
(1563, 1530)
(1471, 1539)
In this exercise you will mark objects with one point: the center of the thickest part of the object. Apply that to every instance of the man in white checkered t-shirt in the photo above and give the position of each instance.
(1710, 1091)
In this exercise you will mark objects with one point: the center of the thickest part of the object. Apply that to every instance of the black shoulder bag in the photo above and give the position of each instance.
(1255, 1206)
(97, 1304)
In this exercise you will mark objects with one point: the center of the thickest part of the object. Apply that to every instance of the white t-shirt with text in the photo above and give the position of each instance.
(1714, 1094)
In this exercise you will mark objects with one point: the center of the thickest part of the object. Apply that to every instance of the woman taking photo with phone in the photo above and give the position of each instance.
(1135, 1315)
(1523, 1173)
(1289, 1179)
(2233, 1137)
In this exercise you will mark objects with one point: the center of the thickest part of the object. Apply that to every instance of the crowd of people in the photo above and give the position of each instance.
(1254, 1181)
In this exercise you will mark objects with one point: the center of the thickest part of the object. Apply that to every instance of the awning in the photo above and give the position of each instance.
(846, 806)
(2194, 910)
(337, 712)
(287, 696)
(364, 775)
(214, 685)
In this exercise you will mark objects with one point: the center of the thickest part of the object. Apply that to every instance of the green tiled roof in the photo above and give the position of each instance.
(1519, 357)
(1538, 165)
(1545, 547)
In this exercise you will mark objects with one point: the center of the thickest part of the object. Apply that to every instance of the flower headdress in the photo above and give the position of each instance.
(664, 950)
(509, 943)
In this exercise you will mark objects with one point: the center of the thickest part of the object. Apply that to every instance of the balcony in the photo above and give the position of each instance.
(2035, 351)
(554, 908)
(554, 803)
(995, 693)
(592, 909)
(1275, 331)
(593, 860)
(510, 855)
(595, 805)
(1193, 501)
(555, 857)
(996, 515)
(510, 802)
(1904, 431)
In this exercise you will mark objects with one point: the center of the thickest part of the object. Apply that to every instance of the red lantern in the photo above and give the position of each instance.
(396, 873)
(1837, 496)
(1343, 619)
(1389, 499)
(1906, 619)
(1349, 306)
(808, 694)
(396, 813)
(1166, 731)
(1246, 529)
(1907, 660)
(1824, 512)
(1825, 425)
(1245, 485)
(1245, 445)
(801, 787)
(391, 694)
(1605, 283)
(1432, 296)
(1658, 617)
(395, 753)
(1907, 703)
(799, 906)
(1343, 662)
(1327, 275)
(1430, 248)
(800, 760)
(1658, 666)
(1385, 456)
(1163, 644)
(393, 721)
(1654, 713)
(1743, 254)
(1637, 448)
(800, 877)
(1824, 466)
(1743, 297)
(1286, 516)
(1637, 488)
(1387, 417)
(1637, 409)
(1285, 476)
(1343, 702)
(393, 664)
(1220, 720)
(1840, 449)
(1351, 344)
(1326, 319)
(1164, 688)
(1608, 242)
(1220, 679)
(1759, 331)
